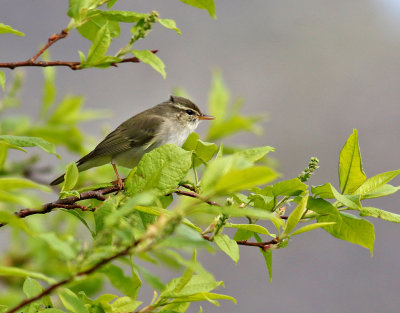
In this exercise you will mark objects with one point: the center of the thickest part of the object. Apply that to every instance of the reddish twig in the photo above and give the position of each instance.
(73, 65)
(92, 269)
(263, 245)
(197, 196)
(68, 203)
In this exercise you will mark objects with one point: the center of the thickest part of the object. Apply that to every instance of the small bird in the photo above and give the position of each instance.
(169, 122)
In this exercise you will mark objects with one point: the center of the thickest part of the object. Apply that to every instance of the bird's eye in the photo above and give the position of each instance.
(190, 112)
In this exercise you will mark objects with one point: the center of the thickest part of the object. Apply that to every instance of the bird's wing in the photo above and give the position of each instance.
(130, 134)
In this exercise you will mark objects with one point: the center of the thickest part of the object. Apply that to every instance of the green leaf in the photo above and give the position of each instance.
(375, 182)
(255, 154)
(330, 192)
(14, 221)
(170, 24)
(351, 173)
(351, 228)
(385, 215)
(207, 5)
(90, 29)
(51, 310)
(10, 271)
(296, 215)
(267, 254)
(218, 98)
(208, 296)
(62, 247)
(153, 280)
(161, 170)
(13, 183)
(24, 141)
(310, 227)
(197, 284)
(6, 29)
(31, 287)
(148, 57)
(2, 80)
(291, 187)
(382, 191)
(49, 90)
(99, 47)
(228, 245)
(240, 179)
(71, 301)
(251, 227)
(125, 304)
(127, 285)
(106, 208)
(322, 207)
(122, 16)
(71, 177)
(185, 237)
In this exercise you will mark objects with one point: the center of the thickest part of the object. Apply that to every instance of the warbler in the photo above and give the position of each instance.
(168, 122)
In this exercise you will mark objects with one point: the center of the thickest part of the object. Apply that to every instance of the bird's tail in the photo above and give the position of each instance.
(58, 180)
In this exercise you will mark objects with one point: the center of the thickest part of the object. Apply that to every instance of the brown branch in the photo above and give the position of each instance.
(197, 196)
(263, 245)
(50, 289)
(73, 65)
(68, 203)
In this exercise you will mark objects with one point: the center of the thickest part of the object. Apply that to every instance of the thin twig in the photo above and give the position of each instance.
(197, 196)
(68, 203)
(73, 65)
(263, 245)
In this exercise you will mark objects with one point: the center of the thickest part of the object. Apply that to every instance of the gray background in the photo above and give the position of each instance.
(319, 68)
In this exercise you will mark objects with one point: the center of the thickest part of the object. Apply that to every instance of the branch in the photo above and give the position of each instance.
(51, 288)
(73, 65)
(263, 245)
(68, 203)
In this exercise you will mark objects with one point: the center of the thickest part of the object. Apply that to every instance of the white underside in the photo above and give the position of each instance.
(168, 134)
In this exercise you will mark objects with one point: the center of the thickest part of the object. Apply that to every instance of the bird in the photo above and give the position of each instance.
(168, 122)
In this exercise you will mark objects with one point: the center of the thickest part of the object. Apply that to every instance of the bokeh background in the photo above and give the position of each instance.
(318, 67)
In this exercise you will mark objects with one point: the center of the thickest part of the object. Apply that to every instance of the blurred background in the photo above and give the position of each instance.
(319, 68)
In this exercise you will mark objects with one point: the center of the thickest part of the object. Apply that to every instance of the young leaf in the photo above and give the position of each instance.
(127, 285)
(71, 301)
(251, 227)
(351, 173)
(296, 215)
(161, 170)
(310, 227)
(375, 182)
(170, 24)
(330, 192)
(49, 90)
(351, 228)
(203, 4)
(71, 177)
(382, 191)
(31, 287)
(148, 57)
(62, 247)
(2, 80)
(267, 254)
(99, 46)
(291, 187)
(122, 16)
(228, 245)
(198, 283)
(240, 179)
(10, 271)
(255, 154)
(14, 183)
(124, 304)
(7, 29)
(24, 141)
(385, 215)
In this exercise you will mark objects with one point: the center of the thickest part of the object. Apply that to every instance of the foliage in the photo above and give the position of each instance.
(71, 252)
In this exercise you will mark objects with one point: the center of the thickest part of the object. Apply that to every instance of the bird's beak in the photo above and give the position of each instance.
(206, 117)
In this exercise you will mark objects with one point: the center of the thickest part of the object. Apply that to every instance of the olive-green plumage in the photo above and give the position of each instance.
(169, 122)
